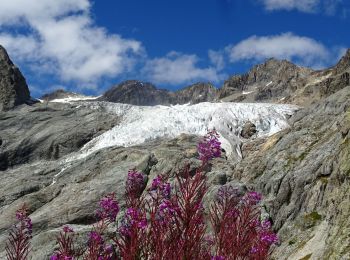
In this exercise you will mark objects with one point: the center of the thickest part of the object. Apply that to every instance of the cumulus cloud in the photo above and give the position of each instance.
(61, 37)
(304, 50)
(330, 7)
(177, 68)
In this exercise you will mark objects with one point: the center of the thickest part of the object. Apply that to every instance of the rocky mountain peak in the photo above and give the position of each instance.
(272, 80)
(137, 93)
(13, 87)
(344, 63)
(196, 93)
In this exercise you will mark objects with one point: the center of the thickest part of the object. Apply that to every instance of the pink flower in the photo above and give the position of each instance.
(253, 197)
(67, 229)
(108, 208)
(95, 237)
(210, 147)
(54, 257)
(135, 183)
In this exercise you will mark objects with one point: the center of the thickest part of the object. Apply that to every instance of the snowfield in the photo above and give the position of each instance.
(140, 124)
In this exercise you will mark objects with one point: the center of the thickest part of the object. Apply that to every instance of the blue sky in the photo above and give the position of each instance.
(87, 46)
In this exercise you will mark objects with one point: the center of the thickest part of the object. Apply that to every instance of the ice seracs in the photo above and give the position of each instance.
(140, 124)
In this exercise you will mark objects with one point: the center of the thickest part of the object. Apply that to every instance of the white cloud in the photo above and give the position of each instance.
(330, 7)
(63, 39)
(301, 5)
(217, 58)
(303, 50)
(177, 68)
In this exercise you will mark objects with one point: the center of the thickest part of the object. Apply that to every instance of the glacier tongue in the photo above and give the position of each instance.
(145, 123)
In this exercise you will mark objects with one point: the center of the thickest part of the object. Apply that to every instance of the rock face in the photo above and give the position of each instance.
(13, 87)
(196, 93)
(304, 174)
(271, 81)
(48, 132)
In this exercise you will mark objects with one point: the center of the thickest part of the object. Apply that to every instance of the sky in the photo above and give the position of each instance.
(87, 46)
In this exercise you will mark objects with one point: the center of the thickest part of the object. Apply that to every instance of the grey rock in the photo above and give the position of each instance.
(248, 130)
(48, 132)
(13, 87)
(270, 81)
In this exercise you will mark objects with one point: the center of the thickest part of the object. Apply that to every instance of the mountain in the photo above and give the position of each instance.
(137, 93)
(13, 87)
(145, 94)
(61, 157)
(274, 81)
(61, 95)
(277, 81)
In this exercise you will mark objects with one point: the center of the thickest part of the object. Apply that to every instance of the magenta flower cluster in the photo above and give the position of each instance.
(22, 217)
(159, 185)
(108, 208)
(135, 182)
(210, 147)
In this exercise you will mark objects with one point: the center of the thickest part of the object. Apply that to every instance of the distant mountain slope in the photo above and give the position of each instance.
(277, 81)
(145, 94)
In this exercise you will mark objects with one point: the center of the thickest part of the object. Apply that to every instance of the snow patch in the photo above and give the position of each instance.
(247, 92)
(268, 84)
(74, 99)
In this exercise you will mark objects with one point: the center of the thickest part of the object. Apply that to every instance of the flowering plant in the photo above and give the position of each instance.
(167, 221)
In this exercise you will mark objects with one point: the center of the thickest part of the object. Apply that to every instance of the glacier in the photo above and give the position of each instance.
(140, 124)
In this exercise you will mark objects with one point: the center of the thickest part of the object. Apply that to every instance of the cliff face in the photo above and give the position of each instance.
(13, 87)
(304, 174)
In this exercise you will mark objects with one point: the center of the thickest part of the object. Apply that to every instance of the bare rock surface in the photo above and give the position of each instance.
(13, 87)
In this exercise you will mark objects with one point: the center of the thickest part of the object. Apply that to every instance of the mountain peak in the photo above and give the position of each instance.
(344, 62)
(13, 87)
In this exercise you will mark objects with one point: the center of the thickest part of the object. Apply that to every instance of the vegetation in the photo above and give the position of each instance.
(168, 221)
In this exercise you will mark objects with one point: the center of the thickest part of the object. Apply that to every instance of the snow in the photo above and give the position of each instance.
(318, 80)
(247, 92)
(73, 98)
(54, 180)
(268, 84)
(140, 124)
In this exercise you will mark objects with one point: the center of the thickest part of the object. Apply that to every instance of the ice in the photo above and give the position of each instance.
(140, 124)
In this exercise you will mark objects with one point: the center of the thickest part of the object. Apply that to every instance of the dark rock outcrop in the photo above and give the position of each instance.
(248, 130)
(13, 87)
